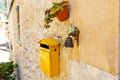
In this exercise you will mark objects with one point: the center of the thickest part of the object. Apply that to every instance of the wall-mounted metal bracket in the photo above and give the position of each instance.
(75, 33)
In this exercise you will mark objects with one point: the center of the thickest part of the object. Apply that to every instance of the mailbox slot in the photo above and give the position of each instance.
(44, 46)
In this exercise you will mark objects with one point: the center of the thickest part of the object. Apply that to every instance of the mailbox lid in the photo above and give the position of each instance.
(49, 41)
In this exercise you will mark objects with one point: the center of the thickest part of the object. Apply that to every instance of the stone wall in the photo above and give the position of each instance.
(91, 49)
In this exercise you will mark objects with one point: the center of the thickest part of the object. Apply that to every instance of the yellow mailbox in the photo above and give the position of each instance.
(49, 56)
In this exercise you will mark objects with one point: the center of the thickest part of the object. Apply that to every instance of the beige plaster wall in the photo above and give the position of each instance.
(98, 21)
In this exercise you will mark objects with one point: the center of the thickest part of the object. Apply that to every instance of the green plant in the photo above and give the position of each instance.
(58, 6)
(6, 71)
(50, 13)
(48, 18)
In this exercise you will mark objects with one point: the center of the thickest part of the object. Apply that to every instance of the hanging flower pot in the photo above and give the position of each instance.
(64, 14)
(59, 10)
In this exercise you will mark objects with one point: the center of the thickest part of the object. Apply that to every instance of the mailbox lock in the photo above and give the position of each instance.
(55, 49)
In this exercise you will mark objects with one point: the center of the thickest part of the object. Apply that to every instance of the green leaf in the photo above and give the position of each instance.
(6, 69)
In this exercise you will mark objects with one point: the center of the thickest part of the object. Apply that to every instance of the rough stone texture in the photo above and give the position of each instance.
(98, 40)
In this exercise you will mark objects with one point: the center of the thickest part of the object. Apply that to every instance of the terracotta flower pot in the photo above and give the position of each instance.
(63, 15)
